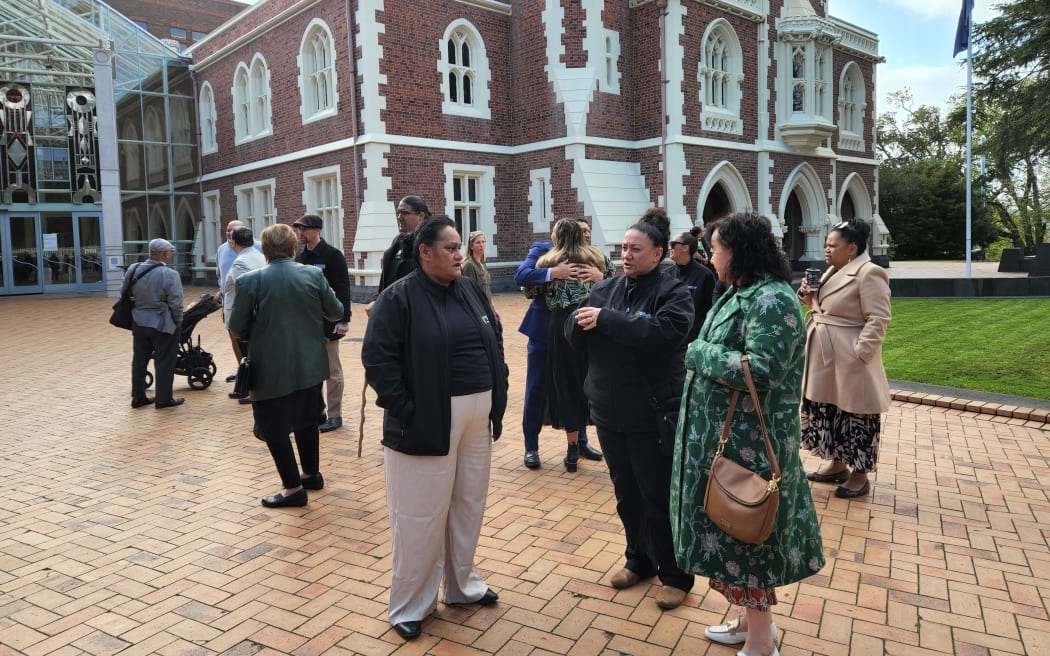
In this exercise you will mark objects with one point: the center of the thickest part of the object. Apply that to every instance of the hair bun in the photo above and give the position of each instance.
(861, 229)
(657, 218)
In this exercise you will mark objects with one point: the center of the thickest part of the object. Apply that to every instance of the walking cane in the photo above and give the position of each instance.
(361, 426)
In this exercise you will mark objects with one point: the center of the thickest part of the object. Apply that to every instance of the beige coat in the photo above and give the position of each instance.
(850, 313)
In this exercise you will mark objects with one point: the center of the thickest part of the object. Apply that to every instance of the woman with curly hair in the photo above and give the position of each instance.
(566, 403)
(758, 316)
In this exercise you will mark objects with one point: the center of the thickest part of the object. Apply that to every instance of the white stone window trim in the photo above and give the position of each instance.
(482, 74)
(212, 222)
(332, 215)
(609, 80)
(851, 108)
(724, 118)
(541, 200)
(261, 211)
(486, 199)
(308, 98)
(209, 120)
(252, 107)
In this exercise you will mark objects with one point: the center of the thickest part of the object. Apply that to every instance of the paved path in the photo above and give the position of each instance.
(140, 531)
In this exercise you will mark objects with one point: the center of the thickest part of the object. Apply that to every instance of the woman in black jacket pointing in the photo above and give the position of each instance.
(633, 327)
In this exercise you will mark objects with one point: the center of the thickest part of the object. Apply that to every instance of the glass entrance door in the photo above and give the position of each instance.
(21, 256)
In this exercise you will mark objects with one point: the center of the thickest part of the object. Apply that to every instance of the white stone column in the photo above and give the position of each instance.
(109, 171)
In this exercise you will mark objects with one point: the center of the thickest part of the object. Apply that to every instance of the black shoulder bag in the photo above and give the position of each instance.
(121, 317)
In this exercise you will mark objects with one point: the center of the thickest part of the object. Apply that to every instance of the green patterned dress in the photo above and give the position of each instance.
(765, 322)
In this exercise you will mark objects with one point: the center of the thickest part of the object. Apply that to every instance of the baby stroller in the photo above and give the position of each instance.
(192, 360)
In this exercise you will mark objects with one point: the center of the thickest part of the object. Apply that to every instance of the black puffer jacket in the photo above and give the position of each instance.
(636, 351)
(406, 357)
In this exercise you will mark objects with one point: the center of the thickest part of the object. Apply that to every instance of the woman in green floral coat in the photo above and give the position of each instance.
(760, 316)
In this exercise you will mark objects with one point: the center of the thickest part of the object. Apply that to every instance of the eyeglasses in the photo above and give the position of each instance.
(404, 212)
(676, 243)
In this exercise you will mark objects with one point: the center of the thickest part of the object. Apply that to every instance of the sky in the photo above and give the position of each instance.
(917, 38)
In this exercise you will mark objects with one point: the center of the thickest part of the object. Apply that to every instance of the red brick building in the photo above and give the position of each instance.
(506, 115)
(182, 21)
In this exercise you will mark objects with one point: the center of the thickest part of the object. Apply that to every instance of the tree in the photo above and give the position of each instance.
(922, 184)
(1013, 64)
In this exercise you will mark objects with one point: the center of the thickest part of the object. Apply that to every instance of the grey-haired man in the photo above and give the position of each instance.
(157, 290)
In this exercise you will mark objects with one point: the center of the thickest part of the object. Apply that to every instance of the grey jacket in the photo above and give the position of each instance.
(158, 296)
(280, 309)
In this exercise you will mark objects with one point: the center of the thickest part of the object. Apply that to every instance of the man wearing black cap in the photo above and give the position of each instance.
(157, 316)
(319, 253)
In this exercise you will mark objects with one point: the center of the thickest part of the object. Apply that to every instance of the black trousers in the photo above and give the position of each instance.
(164, 348)
(641, 477)
(295, 413)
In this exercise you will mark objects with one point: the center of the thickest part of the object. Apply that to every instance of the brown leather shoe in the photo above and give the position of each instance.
(625, 578)
(670, 597)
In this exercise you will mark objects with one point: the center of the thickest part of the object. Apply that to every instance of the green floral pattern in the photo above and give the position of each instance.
(764, 321)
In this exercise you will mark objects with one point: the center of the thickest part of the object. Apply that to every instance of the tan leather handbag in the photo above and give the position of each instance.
(739, 501)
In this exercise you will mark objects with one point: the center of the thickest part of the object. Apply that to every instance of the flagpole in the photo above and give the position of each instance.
(969, 145)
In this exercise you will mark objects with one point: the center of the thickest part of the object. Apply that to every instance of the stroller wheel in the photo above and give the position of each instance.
(149, 379)
(200, 378)
(212, 369)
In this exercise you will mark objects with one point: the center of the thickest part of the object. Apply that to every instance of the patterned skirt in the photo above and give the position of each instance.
(761, 599)
(834, 434)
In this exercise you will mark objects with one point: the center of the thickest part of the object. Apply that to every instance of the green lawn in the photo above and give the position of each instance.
(994, 345)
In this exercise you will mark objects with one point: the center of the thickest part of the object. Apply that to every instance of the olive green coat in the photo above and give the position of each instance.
(765, 322)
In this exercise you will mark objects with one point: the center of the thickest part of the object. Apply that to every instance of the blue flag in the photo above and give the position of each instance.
(962, 33)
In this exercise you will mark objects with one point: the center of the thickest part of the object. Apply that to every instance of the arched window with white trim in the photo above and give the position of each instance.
(852, 103)
(721, 74)
(465, 73)
(206, 109)
(241, 104)
(251, 100)
(317, 72)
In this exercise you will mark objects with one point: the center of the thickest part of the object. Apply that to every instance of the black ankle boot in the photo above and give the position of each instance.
(572, 457)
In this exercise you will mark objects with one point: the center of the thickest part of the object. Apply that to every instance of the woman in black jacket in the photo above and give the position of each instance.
(633, 328)
(697, 277)
(427, 334)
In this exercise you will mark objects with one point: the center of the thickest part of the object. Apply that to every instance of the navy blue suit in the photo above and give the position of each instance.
(535, 325)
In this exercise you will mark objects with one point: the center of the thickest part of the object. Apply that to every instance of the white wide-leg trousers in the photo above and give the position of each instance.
(436, 506)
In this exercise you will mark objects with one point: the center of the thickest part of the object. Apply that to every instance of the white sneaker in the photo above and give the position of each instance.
(776, 652)
(728, 634)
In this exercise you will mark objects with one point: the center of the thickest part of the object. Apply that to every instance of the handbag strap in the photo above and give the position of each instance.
(773, 463)
(138, 277)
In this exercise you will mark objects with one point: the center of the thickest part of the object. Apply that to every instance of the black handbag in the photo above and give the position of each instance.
(244, 378)
(121, 317)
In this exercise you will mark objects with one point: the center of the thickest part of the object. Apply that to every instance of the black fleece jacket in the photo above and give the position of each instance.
(637, 349)
(332, 264)
(406, 357)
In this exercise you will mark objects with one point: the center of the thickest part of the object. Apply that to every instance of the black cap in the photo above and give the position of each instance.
(309, 221)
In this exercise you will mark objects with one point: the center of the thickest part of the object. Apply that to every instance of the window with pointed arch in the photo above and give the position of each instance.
(721, 75)
(464, 69)
(851, 106)
(206, 109)
(317, 72)
(251, 100)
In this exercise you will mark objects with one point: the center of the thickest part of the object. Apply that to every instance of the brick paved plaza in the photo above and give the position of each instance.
(140, 531)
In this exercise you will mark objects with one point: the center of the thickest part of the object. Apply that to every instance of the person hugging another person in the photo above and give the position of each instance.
(845, 390)
(566, 402)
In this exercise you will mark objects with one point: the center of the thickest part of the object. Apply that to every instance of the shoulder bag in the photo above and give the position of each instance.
(739, 501)
(121, 317)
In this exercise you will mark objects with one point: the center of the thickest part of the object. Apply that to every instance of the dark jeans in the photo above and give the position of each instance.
(641, 478)
(164, 348)
(536, 396)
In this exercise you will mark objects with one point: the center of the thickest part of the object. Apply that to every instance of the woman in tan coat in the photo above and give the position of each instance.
(844, 386)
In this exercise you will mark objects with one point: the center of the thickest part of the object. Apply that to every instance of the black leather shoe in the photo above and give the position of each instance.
(169, 404)
(330, 425)
(231, 378)
(313, 481)
(138, 403)
(408, 630)
(589, 452)
(846, 493)
(245, 400)
(532, 459)
(834, 477)
(488, 598)
(295, 499)
(235, 395)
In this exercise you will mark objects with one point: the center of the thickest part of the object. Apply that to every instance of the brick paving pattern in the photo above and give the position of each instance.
(140, 531)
